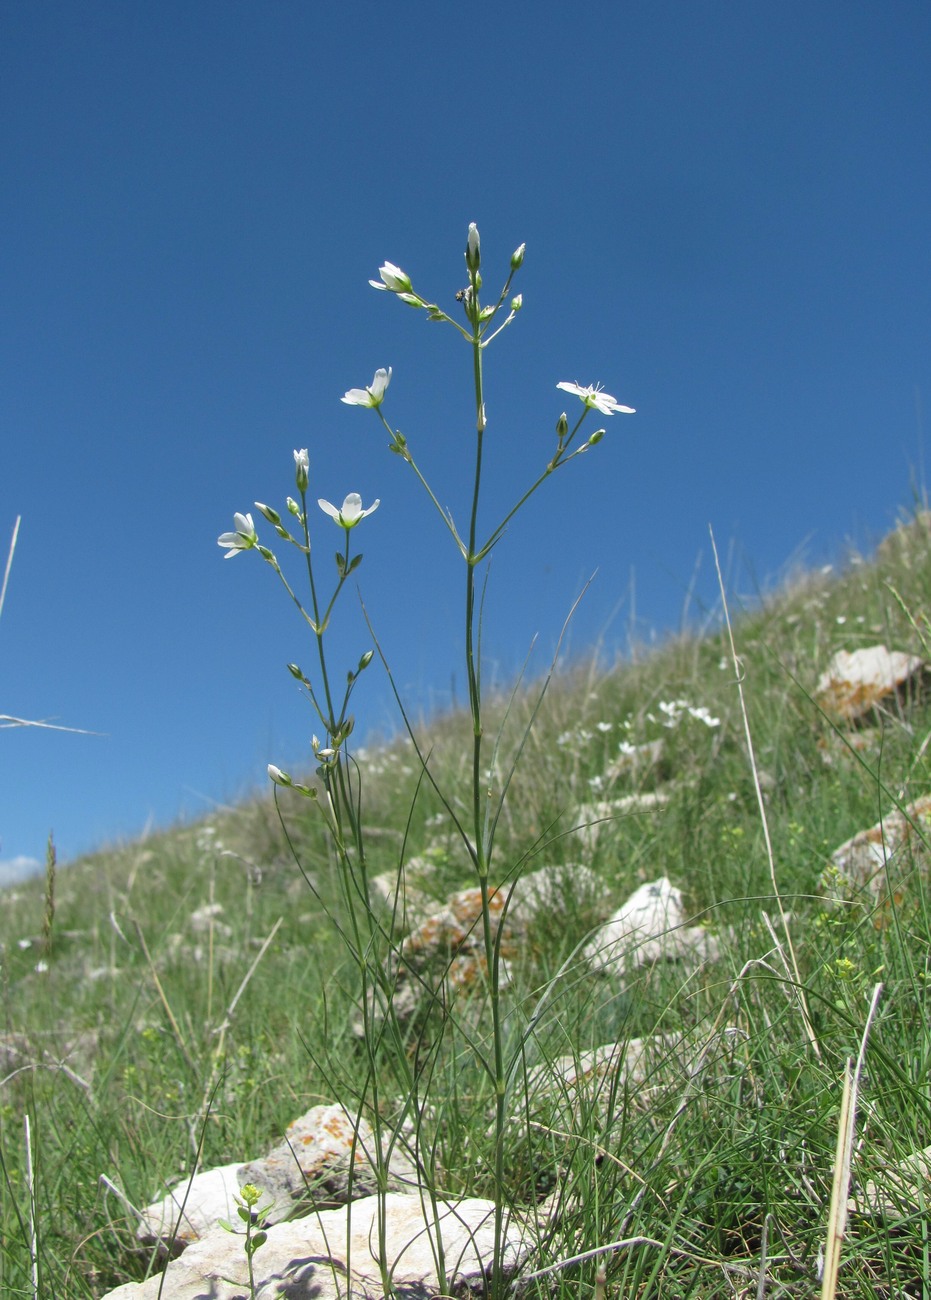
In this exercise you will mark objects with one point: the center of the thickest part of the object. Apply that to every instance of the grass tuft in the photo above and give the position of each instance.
(174, 1003)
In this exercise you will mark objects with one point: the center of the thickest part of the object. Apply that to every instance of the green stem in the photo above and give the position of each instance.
(404, 451)
(483, 845)
(328, 721)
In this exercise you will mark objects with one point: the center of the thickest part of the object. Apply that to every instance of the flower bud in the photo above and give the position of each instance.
(365, 660)
(473, 254)
(279, 777)
(517, 258)
(301, 468)
(517, 302)
(293, 507)
(271, 515)
(562, 426)
(392, 278)
(596, 437)
(295, 671)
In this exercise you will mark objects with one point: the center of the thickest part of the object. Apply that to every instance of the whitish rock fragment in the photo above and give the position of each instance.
(649, 927)
(870, 860)
(192, 1208)
(552, 891)
(333, 1253)
(636, 760)
(312, 1165)
(626, 1064)
(904, 1188)
(591, 818)
(856, 681)
(313, 1162)
(454, 931)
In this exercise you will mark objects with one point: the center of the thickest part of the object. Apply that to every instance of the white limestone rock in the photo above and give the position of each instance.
(334, 1253)
(649, 927)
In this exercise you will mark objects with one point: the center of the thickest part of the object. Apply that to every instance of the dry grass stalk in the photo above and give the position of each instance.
(840, 1189)
(770, 856)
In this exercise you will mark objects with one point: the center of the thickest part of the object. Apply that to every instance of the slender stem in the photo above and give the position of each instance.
(483, 844)
(404, 451)
(329, 720)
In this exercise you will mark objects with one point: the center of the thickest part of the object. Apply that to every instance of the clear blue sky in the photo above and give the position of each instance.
(726, 209)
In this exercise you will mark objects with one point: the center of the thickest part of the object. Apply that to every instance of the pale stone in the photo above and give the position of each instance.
(863, 862)
(590, 819)
(550, 891)
(334, 1252)
(193, 1207)
(903, 1189)
(313, 1162)
(649, 927)
(636, 760)
(453, 933)
(311, 1166)
(856, 681)
(627, 1064)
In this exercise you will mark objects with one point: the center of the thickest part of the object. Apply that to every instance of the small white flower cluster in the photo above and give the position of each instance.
(582, 736)
(207, 841)
(674, 711)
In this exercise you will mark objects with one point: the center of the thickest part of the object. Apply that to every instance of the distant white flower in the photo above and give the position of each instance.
(351, 512)
(243, 539)
(279, 777)
(392, 278)
(704, 715)
(595, 398)
(373, 395)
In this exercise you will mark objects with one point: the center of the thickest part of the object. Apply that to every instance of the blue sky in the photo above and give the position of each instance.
(726, 212)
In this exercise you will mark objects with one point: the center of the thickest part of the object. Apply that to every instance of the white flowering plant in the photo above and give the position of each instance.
(474, 817)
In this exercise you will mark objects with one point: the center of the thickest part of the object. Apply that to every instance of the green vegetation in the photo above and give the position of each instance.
(121, 1045)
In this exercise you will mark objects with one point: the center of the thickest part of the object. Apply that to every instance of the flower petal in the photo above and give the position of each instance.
(373, 395)
(596, 399)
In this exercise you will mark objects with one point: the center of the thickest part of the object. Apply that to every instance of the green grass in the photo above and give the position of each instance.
(716, 1165)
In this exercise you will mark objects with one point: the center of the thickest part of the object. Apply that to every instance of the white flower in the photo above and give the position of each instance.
(594, 397)
(350, 513)
(392, 278)
(372, 396)
(279, 777)
(242, 539)
(702, 714)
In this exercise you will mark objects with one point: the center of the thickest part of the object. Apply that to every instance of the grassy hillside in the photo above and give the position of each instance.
(120, 1043)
